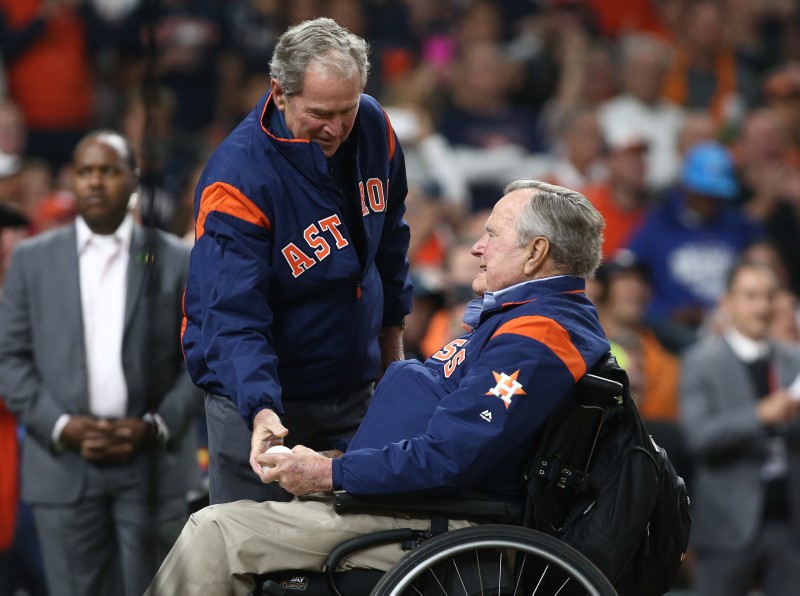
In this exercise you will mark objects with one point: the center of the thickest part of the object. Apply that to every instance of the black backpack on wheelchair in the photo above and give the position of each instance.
(593, 466)
(600, 483)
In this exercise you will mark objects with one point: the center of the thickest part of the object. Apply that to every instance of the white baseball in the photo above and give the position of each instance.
(278, 449)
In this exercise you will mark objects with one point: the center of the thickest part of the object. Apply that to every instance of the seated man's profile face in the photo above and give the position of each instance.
(502, 259)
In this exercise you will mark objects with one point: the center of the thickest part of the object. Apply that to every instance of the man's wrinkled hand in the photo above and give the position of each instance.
(301, 472)
(268, 431)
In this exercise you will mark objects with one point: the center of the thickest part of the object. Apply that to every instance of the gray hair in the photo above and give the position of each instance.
(321, 41)
(568, 220)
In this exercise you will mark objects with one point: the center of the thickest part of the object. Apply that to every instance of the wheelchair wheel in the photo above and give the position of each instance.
(494, 559)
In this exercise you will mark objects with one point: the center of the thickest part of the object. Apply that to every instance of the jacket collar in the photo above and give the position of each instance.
(273, 121)
(520, 293)
(306, 155)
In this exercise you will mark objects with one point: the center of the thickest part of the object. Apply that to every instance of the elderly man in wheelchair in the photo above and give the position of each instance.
(464, 422)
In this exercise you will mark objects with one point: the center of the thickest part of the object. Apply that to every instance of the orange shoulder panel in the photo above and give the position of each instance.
(225, 198)
(551, 334)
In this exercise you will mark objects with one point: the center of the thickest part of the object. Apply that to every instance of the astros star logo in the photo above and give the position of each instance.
(507, 387)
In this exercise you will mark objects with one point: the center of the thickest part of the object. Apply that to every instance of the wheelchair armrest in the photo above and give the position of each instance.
(466, 506)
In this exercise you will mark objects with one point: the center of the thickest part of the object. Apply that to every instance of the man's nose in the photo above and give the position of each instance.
(95, 177)
(335, 127)
(477, 248)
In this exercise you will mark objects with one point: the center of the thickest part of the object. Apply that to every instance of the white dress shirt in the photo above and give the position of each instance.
(746, 349)
(103, 264)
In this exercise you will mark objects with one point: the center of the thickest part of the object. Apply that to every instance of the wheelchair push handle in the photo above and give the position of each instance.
(607, 386)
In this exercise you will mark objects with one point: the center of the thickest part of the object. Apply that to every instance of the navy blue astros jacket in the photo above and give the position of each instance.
(468, 417)
(278, 303)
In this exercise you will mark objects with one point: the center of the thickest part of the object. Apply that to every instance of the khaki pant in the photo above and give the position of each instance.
(222, 546)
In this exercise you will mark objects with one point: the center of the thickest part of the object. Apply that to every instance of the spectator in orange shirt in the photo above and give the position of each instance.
(623, 197)
(45, 48)
(705, 72)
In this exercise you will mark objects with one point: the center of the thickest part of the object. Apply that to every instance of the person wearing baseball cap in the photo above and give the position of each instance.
(708, 170)
(689, 240)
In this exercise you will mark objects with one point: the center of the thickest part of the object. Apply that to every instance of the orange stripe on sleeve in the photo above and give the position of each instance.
(184, 322)
(389, 135)
(551, 334)
(225, 198)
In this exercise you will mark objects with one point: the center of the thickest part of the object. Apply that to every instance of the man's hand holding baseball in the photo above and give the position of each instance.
(301, 472)
(268, 431)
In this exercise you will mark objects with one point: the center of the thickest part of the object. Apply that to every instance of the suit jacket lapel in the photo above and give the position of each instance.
(66, 279)
(137, 264)
(63, 279)
(740, 382)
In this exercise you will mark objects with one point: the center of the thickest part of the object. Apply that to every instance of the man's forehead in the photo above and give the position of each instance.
(749, 279)
(115, 142)
(508, 206)
(319, 78)
(488, 224)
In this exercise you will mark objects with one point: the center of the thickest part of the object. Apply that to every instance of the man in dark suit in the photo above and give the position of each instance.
(90, 362)
(739, 412)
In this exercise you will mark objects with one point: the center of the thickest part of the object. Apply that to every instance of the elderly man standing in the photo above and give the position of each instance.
(466, 419)
(298, 284)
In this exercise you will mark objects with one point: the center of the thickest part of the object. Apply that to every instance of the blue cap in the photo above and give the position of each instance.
(708, 170)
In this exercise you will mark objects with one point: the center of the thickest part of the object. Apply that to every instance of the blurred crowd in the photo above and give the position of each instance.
(679, 119)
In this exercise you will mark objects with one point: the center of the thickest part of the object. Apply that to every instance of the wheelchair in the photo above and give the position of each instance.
(501, 556)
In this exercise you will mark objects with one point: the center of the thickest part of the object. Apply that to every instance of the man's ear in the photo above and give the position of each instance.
(536, 255)
(278, 94)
